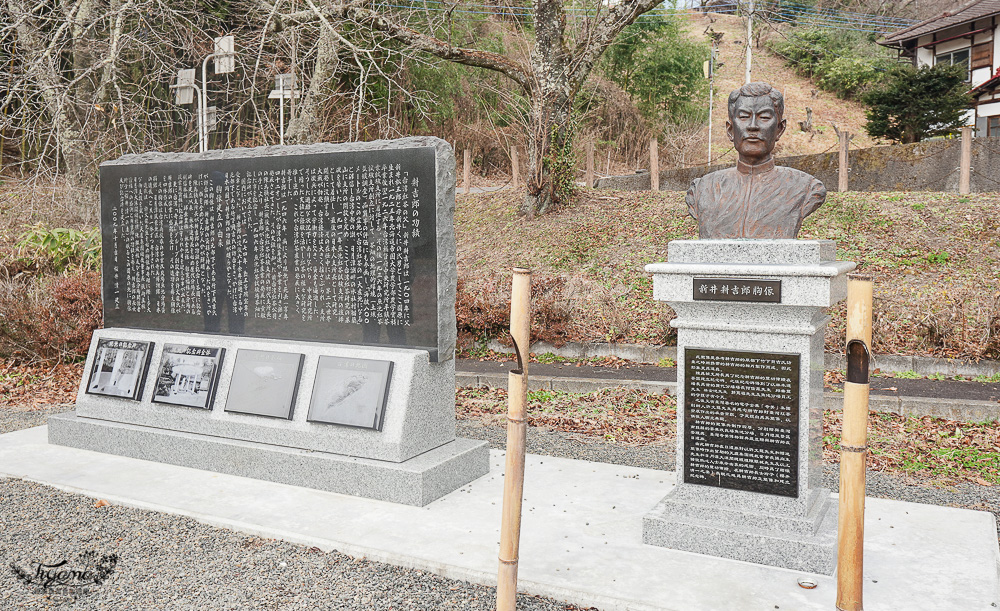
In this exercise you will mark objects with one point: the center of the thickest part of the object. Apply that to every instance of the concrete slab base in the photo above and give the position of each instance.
(416, 481)
(797, 534)
(581, 536)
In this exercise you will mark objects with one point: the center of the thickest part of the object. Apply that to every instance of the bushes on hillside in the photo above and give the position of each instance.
(660, 69)
(844, 62)
(50, 295)
(49, 319)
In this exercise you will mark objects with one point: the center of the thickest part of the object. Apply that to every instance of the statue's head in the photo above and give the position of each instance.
(755, 121)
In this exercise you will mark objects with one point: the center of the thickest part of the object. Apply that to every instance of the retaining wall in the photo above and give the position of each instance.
(923, 166)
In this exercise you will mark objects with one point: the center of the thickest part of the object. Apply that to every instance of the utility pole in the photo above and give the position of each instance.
(710, 74)
(224, 56)
(749, 39)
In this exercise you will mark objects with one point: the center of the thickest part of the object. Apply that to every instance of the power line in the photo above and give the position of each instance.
(783, 12)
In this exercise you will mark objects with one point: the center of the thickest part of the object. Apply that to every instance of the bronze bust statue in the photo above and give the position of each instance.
(756, 199)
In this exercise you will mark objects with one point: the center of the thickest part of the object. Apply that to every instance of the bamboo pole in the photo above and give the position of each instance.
(965, 174)
(466, 171)
(853, 445)
(513, 481)
(845, 140)
(515, 168)
(654, 165)
(588, 177)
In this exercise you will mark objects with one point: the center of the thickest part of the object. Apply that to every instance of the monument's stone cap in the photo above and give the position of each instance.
(760, 252)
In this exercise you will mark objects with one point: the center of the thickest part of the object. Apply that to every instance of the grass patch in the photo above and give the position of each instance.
(936, 264)
(938, 450)
(614, 415)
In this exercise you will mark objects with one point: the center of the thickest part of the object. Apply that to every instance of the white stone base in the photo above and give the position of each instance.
(791, 532)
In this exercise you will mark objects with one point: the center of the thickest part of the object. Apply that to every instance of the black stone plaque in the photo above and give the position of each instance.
(351, 392)
(741, 420)
(264, 383)
(119, 368)
(737, 289)
(188, 375)
(338, 246)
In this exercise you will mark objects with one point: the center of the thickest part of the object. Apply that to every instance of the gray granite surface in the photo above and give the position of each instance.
(419, 414)
(417, 481)
(797, 533)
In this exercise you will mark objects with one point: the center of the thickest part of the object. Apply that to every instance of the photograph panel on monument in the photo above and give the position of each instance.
(188, 375)
(119, 368)
(350, 392)
(264, 383)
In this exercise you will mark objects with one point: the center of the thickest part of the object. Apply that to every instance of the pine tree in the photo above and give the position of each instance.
(918, 103)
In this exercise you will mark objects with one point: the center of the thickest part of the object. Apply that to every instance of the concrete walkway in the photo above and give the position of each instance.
(581, 533)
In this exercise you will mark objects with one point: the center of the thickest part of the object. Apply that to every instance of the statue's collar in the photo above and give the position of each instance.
(753, 170)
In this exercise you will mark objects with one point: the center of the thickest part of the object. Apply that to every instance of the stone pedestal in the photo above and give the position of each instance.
(414, 459)
(751, 317)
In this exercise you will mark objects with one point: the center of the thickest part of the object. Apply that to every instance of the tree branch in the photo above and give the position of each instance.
(605, 29)
(419, 41)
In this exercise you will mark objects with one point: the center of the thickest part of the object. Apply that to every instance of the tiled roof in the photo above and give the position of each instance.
(969, 12)
(988, 85)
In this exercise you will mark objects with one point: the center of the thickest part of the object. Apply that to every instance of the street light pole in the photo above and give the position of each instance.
(284, 87)
(184, 88)
(224, 50)
(749, 38)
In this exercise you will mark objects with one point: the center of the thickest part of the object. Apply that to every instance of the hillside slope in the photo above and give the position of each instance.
(935, 258)
(799, 92)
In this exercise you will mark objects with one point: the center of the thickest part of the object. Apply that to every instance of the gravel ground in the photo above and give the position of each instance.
(170, 562)
(16, 418)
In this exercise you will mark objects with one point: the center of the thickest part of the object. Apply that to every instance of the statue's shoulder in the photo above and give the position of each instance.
(796, 175)
(714, 177)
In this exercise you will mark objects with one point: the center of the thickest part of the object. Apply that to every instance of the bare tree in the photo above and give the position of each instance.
(566, 47)
(80, 74)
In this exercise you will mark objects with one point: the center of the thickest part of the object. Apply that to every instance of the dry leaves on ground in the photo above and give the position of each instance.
(937, 449)
(30, 387)
(615, 415)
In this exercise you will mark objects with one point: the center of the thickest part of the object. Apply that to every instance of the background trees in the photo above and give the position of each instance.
(87, 80)
(912, 104)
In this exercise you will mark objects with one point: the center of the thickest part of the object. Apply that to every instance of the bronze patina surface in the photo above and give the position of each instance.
(756, 199)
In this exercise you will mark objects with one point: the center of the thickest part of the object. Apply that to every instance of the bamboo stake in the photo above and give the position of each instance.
(513, 481)
(965, 174)
(853, 445)
(654, 165)
(466, 171)
(515, 168)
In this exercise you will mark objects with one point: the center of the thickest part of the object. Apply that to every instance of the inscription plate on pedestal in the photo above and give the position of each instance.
(741, 420)
(737, 289)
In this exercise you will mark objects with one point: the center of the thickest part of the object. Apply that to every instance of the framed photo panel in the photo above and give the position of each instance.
(188, 375)
(350, 392)
(119, 368)
(264, 383)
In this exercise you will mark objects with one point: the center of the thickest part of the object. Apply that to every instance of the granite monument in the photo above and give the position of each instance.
(751, 317)
(325, 274)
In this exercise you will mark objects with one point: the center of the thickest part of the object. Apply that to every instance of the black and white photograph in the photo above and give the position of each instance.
(264, 383)
(350, 392)
(188, 375)
(119, 368)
